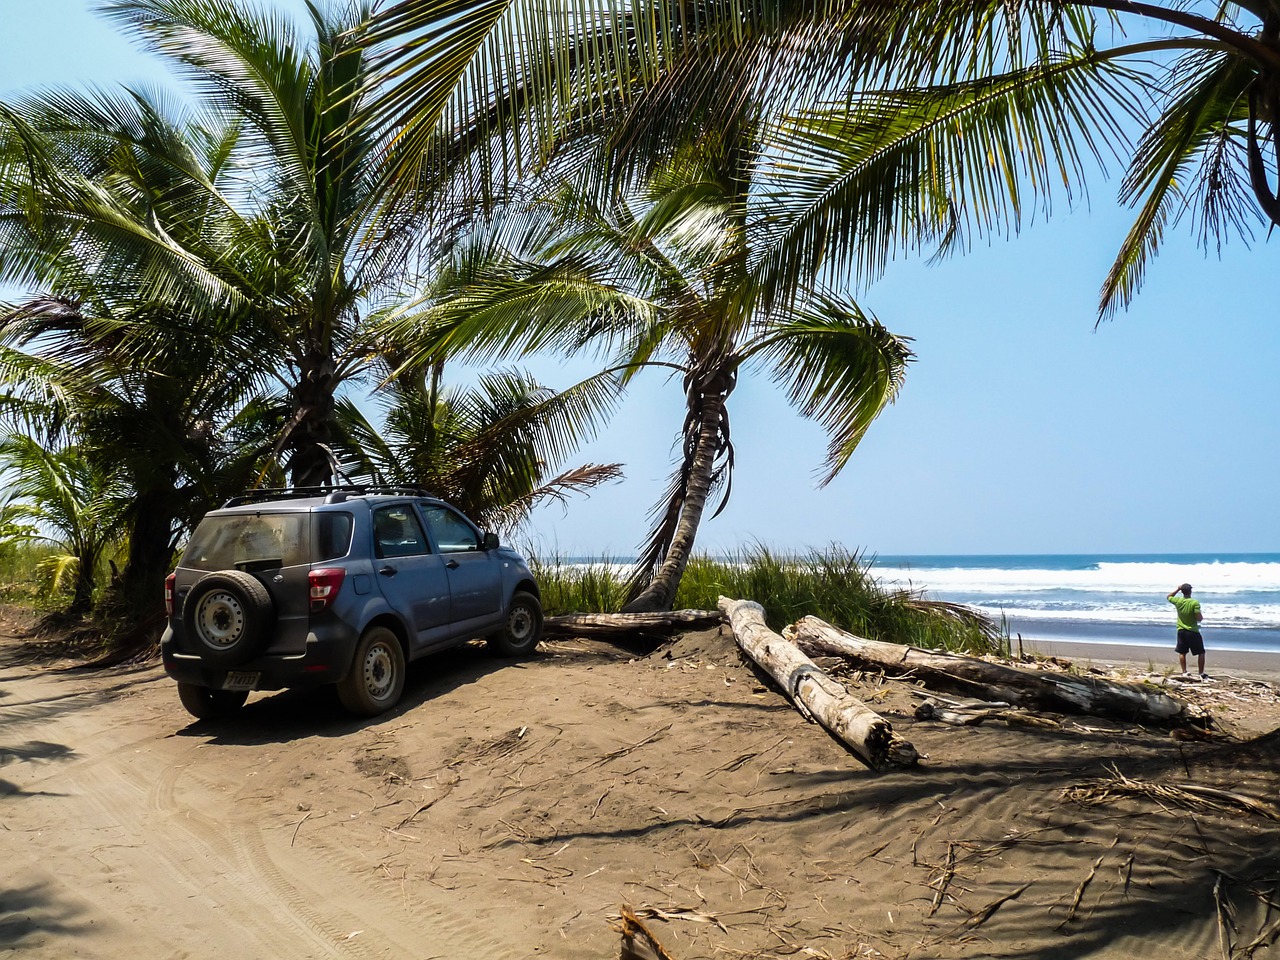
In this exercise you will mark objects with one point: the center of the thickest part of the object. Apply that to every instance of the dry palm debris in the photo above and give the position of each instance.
(1187, 795)
(675, 913)
(1079, 894)
(637, 942)
(944, 879)
(985, 914)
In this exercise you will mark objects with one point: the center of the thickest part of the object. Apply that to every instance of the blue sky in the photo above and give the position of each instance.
(1021, 428)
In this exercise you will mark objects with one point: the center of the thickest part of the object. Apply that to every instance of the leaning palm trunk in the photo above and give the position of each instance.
(689, 498)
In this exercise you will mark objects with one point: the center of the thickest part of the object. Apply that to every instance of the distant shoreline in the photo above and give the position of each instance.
(1247, 663)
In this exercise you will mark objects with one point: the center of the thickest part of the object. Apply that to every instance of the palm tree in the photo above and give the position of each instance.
(647, 75)
(1209, 150)
(260, 217)
(60, 497)
(727, 202)
(146, 406)
(672, 277)
(489, 449)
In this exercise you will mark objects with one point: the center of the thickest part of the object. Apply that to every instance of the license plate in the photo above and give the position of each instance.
(241, 680)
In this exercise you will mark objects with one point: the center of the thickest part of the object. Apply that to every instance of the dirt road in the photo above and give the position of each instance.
(506, 810)
(127, 833)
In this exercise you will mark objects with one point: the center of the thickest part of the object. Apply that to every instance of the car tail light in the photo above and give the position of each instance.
(168, 594)
(324, 587)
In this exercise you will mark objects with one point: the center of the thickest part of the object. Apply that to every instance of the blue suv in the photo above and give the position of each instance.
(285, 588)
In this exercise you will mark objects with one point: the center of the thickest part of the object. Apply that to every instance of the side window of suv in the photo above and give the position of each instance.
(452, 533)
(397, 533)
(333, 535)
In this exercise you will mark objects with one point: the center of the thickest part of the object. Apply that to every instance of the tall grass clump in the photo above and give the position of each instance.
(838, 586)
(590, 586)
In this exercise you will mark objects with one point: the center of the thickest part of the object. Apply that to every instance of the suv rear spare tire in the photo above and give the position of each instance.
(376, 678)
(227, 615)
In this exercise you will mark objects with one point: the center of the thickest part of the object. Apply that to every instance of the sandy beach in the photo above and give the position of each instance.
(510, 809)
(1160, 660)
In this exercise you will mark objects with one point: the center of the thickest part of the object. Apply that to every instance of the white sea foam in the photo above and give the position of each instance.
(1105, 577)
(1261, 615)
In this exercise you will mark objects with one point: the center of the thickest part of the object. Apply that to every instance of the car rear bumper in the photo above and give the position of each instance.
(326, 659)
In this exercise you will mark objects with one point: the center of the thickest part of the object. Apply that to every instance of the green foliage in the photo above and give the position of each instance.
(488, 449)
(836, 585)
(20, 578)
(595, 586)
(62, 498)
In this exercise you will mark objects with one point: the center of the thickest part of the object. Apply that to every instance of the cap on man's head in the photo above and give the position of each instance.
(1186, 589)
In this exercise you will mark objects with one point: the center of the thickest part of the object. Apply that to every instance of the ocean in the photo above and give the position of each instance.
(1107, 598)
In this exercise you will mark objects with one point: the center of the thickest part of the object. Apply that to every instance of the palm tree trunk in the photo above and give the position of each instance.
(706, 402)
(140, 591)
(311, 434)
(82, 592)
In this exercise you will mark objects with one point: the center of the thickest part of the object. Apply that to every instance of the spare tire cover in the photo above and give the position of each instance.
(227, 617)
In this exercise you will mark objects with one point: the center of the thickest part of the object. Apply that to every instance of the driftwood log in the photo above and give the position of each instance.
(613, 624)
(973, 713)
(1063, 692)
(816, 694)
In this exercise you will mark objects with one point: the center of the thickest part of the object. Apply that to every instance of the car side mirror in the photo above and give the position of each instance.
(490, 540)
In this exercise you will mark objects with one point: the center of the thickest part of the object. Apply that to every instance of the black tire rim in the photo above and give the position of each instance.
(520, 622)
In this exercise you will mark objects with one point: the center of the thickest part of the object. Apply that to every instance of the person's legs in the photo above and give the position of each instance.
(1184, 646)
(1194, 644)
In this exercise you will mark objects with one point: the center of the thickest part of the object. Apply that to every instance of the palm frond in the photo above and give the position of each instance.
(839, 366)
(1206, 98)
(856, 184)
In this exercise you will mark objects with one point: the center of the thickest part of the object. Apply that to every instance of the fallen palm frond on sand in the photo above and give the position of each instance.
(1185, 795)
(637, 942)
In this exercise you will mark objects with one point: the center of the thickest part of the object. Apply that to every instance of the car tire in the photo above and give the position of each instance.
(204, 703)
(226, 617)
(521, 628)
(376, 679)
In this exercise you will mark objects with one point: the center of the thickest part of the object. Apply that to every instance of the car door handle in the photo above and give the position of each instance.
(452, 564)
(387, 571)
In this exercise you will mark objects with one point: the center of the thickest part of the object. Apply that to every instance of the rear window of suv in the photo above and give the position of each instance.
(223, 542)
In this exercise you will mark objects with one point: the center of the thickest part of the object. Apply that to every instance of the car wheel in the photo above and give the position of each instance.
(522, 628)
(376, 678)
(226, 616)
(206, 704)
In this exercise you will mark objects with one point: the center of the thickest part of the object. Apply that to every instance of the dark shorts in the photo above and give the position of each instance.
(1190, 641)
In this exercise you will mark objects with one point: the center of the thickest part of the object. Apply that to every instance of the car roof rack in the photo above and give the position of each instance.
(268, 494)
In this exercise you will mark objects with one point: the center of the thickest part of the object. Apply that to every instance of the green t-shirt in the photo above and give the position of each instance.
(1188, 607)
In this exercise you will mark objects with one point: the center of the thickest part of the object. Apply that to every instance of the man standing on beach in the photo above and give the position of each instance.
(1189, 617)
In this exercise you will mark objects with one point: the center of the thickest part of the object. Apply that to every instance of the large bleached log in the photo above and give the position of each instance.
(1042, 689)
(612, 624)
(815, 693)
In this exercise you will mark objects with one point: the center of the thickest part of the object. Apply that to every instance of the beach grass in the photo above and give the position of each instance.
(837, 585)
(25, 576)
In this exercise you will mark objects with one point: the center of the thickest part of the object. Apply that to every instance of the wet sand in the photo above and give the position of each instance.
(1160, 659)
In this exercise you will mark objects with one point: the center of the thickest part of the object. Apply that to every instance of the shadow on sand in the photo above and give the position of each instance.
(310, 712)
(33, 911)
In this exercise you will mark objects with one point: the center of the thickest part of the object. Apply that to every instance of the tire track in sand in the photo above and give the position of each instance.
(312, 882)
